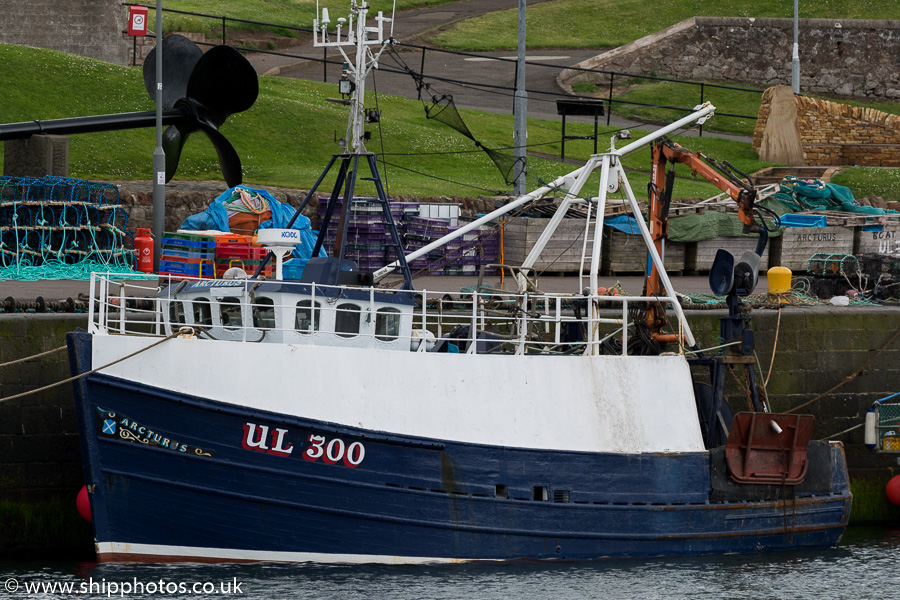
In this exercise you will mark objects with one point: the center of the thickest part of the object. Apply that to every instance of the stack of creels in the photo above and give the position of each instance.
(60, 220)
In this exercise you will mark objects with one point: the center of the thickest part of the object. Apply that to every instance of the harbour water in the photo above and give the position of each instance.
(863, 566)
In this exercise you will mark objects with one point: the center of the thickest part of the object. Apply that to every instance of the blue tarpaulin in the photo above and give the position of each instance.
(216, 217)
(624, 223)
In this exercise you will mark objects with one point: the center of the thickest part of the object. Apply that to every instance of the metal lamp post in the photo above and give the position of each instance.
(159, 155)
(520, 108)
(795, 58)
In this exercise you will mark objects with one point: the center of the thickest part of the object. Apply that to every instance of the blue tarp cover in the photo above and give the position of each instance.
(814, 194)
(216, 217)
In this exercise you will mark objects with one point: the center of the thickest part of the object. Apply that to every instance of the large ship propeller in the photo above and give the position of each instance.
(208, 88)
(200, 91)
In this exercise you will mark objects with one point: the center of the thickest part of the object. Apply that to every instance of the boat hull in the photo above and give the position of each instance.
(176, 476)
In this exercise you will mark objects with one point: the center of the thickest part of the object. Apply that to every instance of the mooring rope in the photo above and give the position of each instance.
(849, 377)
(118, 360)
(774, 347)
(13, 362)
(834, 435)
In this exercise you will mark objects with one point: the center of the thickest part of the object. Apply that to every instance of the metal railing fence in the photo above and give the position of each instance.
(534, 94)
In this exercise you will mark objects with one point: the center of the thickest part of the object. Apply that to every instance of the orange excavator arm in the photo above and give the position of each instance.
(722, 175)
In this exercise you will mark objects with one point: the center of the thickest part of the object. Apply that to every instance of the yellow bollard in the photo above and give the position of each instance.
(779, 281)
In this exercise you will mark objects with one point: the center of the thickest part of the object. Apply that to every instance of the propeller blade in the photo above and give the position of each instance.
(199, 92)
(172, 142)
(224, 82)
(228, 156)
(180, 57)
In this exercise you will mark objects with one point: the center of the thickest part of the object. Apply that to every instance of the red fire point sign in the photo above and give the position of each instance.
(137, 20)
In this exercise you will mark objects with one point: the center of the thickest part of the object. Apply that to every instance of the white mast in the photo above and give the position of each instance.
(361, 37)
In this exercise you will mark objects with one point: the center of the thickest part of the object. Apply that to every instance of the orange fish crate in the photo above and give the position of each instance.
(239, 250)
(233, 238)
(249, 266)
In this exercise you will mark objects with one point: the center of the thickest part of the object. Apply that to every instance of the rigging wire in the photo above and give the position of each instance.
(495, 192)
(536, 144)
(483, 88)
(380, 132)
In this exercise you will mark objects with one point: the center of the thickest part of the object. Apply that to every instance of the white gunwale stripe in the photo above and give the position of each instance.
(123, 549)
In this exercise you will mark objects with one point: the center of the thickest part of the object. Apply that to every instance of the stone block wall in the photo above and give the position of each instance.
(831, 133)
(846, 58)
(39, 449)
(40, 453)
(186, 198)
(91, 28)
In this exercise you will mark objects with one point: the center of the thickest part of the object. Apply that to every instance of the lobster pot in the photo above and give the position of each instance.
(705, 254)
(826, 264)
(561, 255)
(886, 241)
(882, 268)
(626, 253)
(888, 427)
(799, 244)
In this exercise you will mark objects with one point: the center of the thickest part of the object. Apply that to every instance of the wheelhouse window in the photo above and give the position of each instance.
(387, 324)
(264, 313)
(230, 312)
(202, 311)
(307, 319)
(176, 312)
(346, 321)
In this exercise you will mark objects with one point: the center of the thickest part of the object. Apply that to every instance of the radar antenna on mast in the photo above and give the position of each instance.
(353, 83)
(362, 38)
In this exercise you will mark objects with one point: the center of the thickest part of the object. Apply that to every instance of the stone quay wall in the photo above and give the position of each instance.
(831, 133)
(186, 198)
(841, 57)
(815, 350)
(91, 28)
(40, 453)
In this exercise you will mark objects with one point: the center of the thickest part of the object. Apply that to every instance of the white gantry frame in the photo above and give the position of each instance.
(611, 172)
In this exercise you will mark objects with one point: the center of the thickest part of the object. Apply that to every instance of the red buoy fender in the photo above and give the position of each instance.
(893, 490)
(83, 503)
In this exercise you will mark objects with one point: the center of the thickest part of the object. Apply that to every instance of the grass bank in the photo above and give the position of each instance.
(294, 13)
(288, 136)
(684, 96)
(611, 23)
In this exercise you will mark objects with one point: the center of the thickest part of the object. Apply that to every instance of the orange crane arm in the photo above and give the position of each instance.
(723, 176)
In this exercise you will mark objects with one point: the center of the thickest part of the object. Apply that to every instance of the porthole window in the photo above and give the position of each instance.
(202, 311)
(387, 324)
(230, 312)
(346, 320)
(307, 319)
(264, 313)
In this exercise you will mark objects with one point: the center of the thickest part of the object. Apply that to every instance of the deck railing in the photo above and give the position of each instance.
(483, 322)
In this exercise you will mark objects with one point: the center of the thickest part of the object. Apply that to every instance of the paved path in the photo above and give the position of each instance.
(406, 27)
(304, 62)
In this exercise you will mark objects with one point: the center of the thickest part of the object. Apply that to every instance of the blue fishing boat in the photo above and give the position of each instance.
(334, 418)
